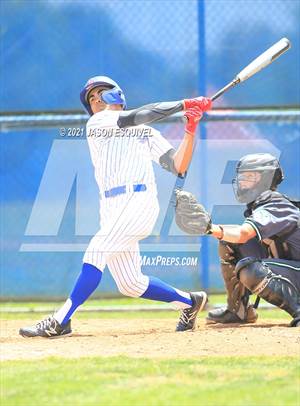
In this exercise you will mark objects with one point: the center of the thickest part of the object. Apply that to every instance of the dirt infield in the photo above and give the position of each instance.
(152, 338)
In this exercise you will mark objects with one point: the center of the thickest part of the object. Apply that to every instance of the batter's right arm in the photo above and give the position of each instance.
(158, 111)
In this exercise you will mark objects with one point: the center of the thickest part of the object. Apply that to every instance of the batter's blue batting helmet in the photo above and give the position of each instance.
(114, 95)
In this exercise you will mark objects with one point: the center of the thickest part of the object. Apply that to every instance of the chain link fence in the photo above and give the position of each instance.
(156, 50)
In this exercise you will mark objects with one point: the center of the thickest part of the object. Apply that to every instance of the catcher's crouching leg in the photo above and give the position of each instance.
(275, 289)
(238, 310)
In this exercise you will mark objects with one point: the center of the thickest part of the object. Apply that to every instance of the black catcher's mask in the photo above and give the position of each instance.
(267, 174)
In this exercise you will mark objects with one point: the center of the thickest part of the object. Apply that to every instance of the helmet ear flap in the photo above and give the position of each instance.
(278, 177)
(114, 95)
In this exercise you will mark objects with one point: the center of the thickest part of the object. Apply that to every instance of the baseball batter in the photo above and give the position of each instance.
(122, 149)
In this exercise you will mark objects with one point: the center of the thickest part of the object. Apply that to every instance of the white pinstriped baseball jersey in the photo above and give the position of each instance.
(123, 158)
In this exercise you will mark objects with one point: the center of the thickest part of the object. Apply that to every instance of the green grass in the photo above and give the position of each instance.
(274, 314)
(91, 302)
(49, 307)
(213, 299)
(245, 381)
(205, 381)
(95, 315)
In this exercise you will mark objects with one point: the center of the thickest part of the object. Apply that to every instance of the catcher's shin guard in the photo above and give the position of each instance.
(237, 294)
(275, 289)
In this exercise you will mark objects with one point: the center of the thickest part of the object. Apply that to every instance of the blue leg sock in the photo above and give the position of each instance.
(161, 291)
(87, 282)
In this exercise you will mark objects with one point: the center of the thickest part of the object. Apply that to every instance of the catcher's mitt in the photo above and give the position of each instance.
(191, 217)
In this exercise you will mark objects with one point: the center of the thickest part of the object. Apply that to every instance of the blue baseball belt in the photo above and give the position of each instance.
(119, 190)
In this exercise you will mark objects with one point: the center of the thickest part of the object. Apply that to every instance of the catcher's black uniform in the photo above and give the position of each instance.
(276, 221)
(268, 265)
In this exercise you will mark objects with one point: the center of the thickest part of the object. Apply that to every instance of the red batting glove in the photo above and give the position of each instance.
(193, 116)
(204, 103)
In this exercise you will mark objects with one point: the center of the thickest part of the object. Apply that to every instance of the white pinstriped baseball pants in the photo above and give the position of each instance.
(125, 219)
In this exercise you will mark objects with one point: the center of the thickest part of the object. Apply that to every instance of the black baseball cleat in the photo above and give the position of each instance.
(296, 321)
(49, 328)
(225, 316)
(187, 320)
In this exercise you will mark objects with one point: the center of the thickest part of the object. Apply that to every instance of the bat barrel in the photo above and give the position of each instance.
(265, 59)
(259, 63)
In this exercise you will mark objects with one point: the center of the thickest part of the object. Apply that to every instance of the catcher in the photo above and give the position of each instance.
(261, 256)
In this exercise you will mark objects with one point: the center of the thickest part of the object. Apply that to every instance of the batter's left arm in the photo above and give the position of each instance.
(157, 111)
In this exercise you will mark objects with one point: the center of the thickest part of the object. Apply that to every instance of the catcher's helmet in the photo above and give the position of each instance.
(114, 95)
(271, 175)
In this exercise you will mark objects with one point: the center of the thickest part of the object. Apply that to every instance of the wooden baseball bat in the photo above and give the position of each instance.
(263, 60)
